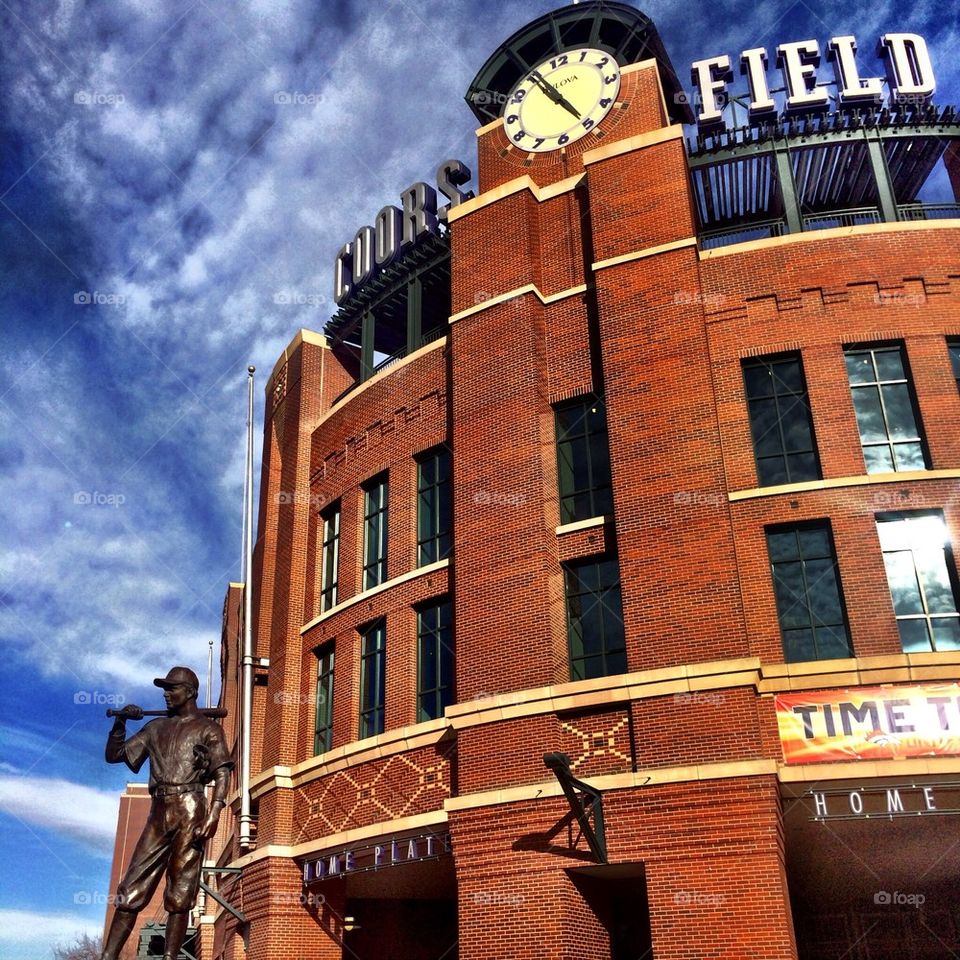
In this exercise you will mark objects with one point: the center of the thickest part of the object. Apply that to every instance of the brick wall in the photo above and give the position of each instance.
(661, 335)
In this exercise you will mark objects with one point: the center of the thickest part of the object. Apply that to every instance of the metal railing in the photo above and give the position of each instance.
(393, 359)
(850, 217)
(405, 351)
(928, 211)
(760, 230)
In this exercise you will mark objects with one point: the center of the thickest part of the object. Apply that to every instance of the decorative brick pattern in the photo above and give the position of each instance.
(602, 743)
(401, 786)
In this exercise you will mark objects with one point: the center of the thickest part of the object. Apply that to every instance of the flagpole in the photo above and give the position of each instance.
(210, 674)
(247, 658)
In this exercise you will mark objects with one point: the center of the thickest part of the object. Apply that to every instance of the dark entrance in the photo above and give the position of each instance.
(617, 895)
(404, 913)
(882, 888)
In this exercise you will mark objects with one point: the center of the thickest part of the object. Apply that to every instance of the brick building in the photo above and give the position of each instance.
(604, 600)
(131, 819)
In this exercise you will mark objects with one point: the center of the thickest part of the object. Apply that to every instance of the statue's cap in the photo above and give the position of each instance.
(178, 675)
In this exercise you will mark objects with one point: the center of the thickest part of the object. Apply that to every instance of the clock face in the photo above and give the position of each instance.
(561, 99)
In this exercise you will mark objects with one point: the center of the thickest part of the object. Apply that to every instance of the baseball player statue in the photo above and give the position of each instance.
(187, 750)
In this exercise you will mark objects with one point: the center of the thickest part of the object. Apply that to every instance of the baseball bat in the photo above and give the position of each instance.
(214, 712)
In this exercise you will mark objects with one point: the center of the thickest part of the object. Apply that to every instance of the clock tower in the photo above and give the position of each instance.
(583, 219)
(569, 82)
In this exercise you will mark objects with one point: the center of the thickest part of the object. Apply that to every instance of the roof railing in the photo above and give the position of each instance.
(850, 217)
(394, 358)
(928, 211)
(825, 220)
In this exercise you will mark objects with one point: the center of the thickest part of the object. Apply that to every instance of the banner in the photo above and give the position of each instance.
(870, 723)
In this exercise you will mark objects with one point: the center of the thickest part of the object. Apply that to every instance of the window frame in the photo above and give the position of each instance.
(878, 384)
(329, 556)
(953, 353)
(599, 488)
(376, 518)
(443, 693)
(950, 567)
(778, 398)
(326, 667)
(436, 496)
(607, 652)
(373, 714)
(795, 528)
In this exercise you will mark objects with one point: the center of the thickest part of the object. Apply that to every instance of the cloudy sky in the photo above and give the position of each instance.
(175, 178)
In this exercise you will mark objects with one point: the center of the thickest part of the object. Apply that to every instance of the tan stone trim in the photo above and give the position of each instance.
(646, 252)
(377, 377)
(317, 339)
(350, 755)
(276, 782)
(508, 189)
(868, 769)
(859, 671)
(334, 841)
(301, 336)
(622, 688)
(832, 233)
(617, 781)
(766, 679)
(650, 64)
(638, 142)
(373, 591)
(696, 677)
(519, 292)
(683, 680)
(833, 483)
(487, 127)
(582, 525)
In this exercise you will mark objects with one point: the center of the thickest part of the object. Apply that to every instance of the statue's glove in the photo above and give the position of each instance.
(130, 712)
(208, 827)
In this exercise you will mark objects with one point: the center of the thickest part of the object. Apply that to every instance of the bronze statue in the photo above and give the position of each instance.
(187, 750)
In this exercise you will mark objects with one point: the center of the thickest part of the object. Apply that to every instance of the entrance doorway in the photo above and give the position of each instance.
(404, 913)
(617, 895)
(872, 887)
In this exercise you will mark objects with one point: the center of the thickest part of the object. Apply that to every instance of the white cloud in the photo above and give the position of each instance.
(43, 929)
(72, 809)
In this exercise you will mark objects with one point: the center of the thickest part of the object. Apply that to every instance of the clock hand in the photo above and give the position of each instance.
(554, 94)
(567, 105)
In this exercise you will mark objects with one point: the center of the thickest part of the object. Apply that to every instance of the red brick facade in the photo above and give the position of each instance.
(585, 279)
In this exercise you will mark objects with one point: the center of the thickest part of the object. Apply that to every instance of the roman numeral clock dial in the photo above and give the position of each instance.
(561, 100)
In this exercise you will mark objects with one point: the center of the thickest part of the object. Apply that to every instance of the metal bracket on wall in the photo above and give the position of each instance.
(210, 892)
(585, 801)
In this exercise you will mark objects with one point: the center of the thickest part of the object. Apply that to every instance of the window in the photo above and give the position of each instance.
(583, 460)
(886, 409)
(433, 507)
(813, 623)
(434, 660)
(324, 735)
(372, 679)
(916, 553)
(375, 532)
(329, 556)
(953, 348)
(595, 619)
(780, 420)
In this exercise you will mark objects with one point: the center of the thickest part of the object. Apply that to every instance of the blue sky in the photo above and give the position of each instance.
(164, 221)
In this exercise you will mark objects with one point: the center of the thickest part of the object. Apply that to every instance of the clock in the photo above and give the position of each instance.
(561, 99)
